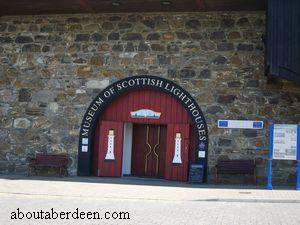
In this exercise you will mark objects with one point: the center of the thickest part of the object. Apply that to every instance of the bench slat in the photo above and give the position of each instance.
(236, 166)
(49, 160)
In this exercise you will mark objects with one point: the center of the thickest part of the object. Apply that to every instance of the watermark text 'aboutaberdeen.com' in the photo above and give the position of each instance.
(77, 214)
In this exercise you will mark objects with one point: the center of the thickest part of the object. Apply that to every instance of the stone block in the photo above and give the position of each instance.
(205, 74)
(47, 28)
(129, 47)
(196, 36)
(52, 108)
(250, 133)
(4, 166)
(149, 23)
(6, 39)
(169, 36)
(223, 142)
(84, 71)
(227, 23)
(97, 84)
(31, 48)
(143, 47)
(234, 35)
(73, 20)
(214, 109)
(232, 84)
(24, 95)
(163, 60)
(190, 48)
(113, 36)
(11, 28)
(172, 48)
(182, 35)
(258, 22)
(97, 60)
(226, 99)
(54, 38)
(79, 61)
(207, 45)
(220, 60)
(75, 27)
(225, 47)
(118, 48)
(4, 108)
(158, 47)
(124, 25)
(245, 47)
(40, 38)
(243, 22)
(172, 73)
(96, 37)
(60, 27)
(161, 24)
(43, 96)
(104, 47)
(252, 83)
(66, 59)
(108, 26)
(132, 37)
(35, 111)
(187, 73)
(82, 37)
(23, 39)
(115, 18)
(153, 36)
(193, 24)
(22, 123)
(217, 35)
(3, 27)
(91, 27)
(46, 48)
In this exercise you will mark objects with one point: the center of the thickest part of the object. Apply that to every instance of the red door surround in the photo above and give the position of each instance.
(153, 141)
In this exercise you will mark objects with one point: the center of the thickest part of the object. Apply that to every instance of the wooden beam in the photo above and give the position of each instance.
(34, 7)
(201, 5)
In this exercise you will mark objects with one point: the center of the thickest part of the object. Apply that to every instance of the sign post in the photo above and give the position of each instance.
(271, 130)
(298, 159)
(284, 145)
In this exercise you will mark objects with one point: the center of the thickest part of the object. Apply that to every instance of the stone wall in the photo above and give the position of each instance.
(53, 66)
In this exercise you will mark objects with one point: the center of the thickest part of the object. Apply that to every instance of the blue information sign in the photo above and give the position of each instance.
(240, 124)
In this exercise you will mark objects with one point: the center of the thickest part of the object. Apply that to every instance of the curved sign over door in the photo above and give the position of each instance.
(118, 88)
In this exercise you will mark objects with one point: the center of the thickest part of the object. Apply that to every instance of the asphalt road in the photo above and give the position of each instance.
(142, 203)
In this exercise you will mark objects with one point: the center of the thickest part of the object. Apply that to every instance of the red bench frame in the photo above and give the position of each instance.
(48, 160)
(237, 166)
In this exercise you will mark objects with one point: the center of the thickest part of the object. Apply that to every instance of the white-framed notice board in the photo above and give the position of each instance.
(285, 142)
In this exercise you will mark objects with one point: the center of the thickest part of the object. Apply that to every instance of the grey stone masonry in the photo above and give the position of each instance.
(52, 66)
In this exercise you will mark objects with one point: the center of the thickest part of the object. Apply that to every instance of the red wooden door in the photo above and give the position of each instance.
(148, 150)
(110, 149)
(176, 167)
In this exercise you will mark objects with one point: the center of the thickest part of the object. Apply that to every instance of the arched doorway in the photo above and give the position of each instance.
(142, 126)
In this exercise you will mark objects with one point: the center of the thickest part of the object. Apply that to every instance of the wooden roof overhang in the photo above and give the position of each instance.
(37, 7)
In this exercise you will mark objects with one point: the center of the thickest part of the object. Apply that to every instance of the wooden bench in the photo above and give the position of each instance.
(236, 167)
(59, 161)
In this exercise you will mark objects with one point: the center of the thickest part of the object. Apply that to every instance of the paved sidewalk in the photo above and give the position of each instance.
(139, 188)
(149, 201)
